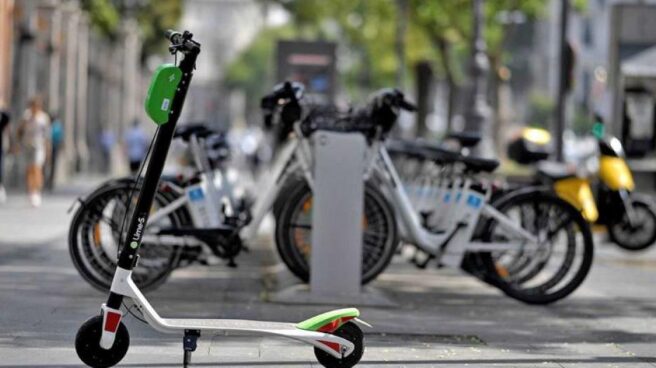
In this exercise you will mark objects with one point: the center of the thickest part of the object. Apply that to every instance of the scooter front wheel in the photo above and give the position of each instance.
(87, 344)
(640, 235)
(351, 332)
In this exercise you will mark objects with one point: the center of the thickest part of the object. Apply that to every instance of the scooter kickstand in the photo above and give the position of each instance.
(189, 344)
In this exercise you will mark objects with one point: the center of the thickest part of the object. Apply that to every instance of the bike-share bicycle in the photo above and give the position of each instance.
(103, 340)
(464, 229)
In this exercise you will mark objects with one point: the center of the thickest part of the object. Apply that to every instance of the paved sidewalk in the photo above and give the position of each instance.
(444, 318)
(21, 223)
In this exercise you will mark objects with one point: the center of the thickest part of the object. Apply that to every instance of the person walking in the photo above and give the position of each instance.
(56, 140)
(4, 122)
(33, 135)
(136, 141)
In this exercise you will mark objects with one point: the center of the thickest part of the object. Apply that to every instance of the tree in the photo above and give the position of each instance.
(252, 70)
(154, 18)
(438, 33)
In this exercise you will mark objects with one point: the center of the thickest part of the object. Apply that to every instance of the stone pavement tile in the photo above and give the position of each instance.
(595, 355)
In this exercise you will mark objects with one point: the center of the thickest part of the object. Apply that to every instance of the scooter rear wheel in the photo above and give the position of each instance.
(351, 332)
(87, 344)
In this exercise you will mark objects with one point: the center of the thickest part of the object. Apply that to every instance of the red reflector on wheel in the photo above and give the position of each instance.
(112, 321)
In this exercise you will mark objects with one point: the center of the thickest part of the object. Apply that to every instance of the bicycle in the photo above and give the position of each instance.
(467, 230)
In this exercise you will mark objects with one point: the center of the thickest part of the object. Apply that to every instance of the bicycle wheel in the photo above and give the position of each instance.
(94, 238)
(294, 232)
(560, 262)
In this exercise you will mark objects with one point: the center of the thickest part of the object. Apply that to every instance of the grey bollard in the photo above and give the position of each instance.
(336, 257)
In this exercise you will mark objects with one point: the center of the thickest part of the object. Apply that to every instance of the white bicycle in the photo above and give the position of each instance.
(532, 226)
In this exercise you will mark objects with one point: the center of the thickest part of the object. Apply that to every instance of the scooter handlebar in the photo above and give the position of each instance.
(182, 42)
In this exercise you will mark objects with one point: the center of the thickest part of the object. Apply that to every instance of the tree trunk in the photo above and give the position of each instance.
(424, 75)
(499, 122)
(444, 49)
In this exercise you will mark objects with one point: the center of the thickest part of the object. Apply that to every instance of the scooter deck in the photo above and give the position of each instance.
(227, 325)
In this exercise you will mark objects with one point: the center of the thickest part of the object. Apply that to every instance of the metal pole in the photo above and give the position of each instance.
(55, 60)
(82, 98)
(477, 116)
(559, 113)
(402, 25)
(69, 95)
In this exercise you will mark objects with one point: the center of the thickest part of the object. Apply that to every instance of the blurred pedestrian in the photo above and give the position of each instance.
(136, 142)
(107, 142)
(34, 137)
(4, 122)
(56, 141)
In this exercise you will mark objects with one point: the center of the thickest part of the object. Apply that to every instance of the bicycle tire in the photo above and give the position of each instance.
(100, 275)
(577, 227)
(374, 259)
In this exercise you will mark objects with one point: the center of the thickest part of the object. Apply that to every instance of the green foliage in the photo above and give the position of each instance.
(580, 5)
(437, 31)
(583, 122)
(103, 16)
(252, 72)
(154, 17)
(540, 110)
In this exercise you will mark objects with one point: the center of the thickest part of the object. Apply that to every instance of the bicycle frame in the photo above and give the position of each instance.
(464, 207)
(295, 156)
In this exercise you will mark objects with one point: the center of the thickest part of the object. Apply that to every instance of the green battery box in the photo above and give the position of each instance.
(162, 89)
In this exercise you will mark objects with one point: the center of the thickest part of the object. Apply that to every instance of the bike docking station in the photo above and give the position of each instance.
(337, 227)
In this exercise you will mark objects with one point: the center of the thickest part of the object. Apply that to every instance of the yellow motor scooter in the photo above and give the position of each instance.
(629, 217)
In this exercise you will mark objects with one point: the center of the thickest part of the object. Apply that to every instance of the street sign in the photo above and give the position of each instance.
(311, 63)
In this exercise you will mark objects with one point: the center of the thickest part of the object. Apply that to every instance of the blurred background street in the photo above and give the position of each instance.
(578, 77)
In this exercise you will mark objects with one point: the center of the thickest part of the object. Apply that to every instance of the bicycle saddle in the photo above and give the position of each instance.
(199, 130)
(412, 149)
(554, 171)
(479, 164)
(465, 139)
(439, 154)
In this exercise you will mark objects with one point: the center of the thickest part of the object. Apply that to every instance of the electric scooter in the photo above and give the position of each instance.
(103, 340)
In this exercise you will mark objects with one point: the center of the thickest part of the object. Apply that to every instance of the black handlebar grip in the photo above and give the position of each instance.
(407, 105)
